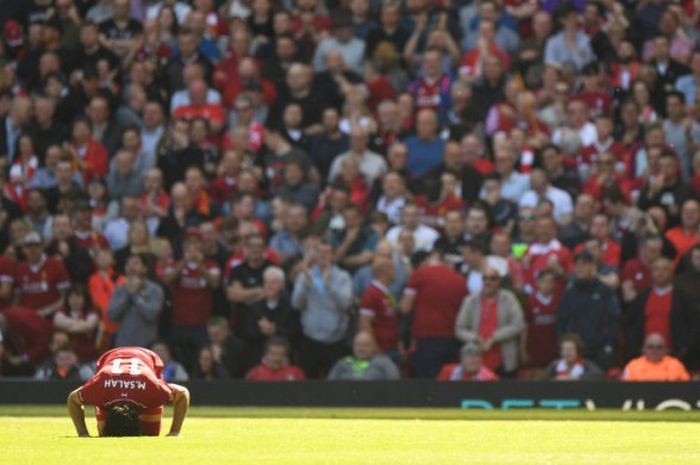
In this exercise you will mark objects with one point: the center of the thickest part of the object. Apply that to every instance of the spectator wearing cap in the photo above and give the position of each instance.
(352, 48)
(493, 319)
(40, 280)
(590, 309)
(136, 305)
(469, 368)
(367, 362)
(433, 295)
(655, 364)
(571, 45)
(192, 281)
(571, 366)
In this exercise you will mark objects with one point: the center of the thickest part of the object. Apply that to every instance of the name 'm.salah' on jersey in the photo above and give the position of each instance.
(127, 375)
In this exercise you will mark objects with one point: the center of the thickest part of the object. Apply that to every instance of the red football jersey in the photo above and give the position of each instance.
(41, 285)
(90, 239)
(439, 291)
(541, 316)
(192, 296)
(378, 303)
(129, 374)
(7, 275)
(636, 271)
(263, 373)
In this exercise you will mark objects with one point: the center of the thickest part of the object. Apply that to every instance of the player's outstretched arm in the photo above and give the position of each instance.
(181, 402)
(77, 413)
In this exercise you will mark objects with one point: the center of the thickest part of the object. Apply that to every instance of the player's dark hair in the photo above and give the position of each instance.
(122, 420)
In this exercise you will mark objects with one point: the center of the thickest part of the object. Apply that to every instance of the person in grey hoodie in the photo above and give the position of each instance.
(323, 295)
(136, 305)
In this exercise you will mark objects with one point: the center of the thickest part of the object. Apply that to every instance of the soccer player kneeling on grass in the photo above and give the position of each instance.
(128, 393)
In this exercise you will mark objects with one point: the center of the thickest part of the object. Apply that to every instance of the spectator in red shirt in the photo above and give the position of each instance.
(193, 281)
(378, 311)
(40, 279)
(89, 156)
(636, 273)
(275, 364)
(199, 107)
(433, 294)
(546, 252)
(661, 309)
(470, 367)
(600, 231)
(539, 342)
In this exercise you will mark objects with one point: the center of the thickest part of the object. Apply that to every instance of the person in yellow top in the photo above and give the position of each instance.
(655, 364)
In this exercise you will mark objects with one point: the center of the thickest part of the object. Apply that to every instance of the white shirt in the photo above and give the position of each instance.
(181, 98)
(391, 208)
(371, 164)
(588, 134)
(424, 237)
(561, 199)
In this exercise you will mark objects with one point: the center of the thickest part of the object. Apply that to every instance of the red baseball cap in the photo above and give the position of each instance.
(13, 34)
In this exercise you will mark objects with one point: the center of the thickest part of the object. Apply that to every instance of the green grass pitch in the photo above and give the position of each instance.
(44, 435)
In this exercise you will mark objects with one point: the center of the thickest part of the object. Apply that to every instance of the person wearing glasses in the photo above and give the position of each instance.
(655, 364)
(493, 318)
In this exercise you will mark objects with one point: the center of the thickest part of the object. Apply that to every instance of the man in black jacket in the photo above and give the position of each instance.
(590, 309)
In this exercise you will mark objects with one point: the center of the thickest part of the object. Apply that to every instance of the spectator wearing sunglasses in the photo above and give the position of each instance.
(655, 364)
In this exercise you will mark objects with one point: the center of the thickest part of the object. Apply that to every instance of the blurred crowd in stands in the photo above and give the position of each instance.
(351, 189)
